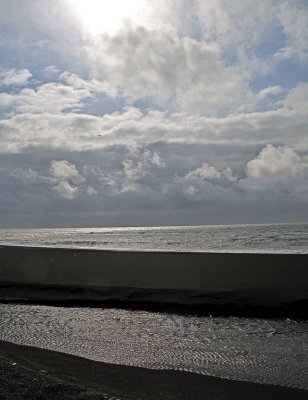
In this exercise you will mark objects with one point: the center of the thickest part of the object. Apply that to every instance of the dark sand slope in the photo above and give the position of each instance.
(184, 278)
(236, 280)
(32, 373)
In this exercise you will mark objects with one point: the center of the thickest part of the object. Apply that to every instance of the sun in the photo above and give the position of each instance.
(107, 16)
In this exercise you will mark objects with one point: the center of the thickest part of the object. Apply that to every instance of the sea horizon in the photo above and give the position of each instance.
(152, 226)
(254, 238)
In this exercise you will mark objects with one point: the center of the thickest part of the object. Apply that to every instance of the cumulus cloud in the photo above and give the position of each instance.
(48, 111)
(66, 190)
(207, 183)
(137, 166)
(141, 163)
(13, 77)
(274, 163)
(92, 85)
(210, 173)
(49, 97)
(277, 169)
(67, 180)
(140, 179)
(63, 178)
(63, 171)
(206, 171)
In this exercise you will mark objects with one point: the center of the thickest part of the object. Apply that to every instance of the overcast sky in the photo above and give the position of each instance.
(153, 112)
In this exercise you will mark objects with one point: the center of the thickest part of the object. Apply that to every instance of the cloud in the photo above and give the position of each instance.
(63, 178)
(40, 125)
(206, 183)
(51, 107)
(210, 173)
(248, 31)
(277, 169)
(93, 85)
(193, 112)
(229, 24)
(63, 171)
(294, 22)
(66, 190)
(49, 97)
(13, 77)
(51, 71)
(127, 181)
(297, 98)
(141, 62)
(242, 31)
(140, 164)
(26, 176)
(158, 63)
(67, 181)
(178, 72)
(274, 163)
(206, 171)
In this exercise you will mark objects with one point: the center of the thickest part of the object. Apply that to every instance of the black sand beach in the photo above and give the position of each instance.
(228, 283)
(32, 373)
(225, 282)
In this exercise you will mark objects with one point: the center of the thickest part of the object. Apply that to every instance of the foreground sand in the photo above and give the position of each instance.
(32, 373)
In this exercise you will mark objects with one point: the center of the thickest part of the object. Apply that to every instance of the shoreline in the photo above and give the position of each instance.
(27, 370)
(58, 296)
(150, 250)
(230, 283)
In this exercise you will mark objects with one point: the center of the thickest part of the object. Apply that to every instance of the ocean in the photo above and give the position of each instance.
(263, 350)
(265, 238)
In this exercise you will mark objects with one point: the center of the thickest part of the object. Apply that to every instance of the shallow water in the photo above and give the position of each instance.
(257, 350)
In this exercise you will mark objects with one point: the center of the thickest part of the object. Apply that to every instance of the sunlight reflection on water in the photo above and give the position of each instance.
(258, 350)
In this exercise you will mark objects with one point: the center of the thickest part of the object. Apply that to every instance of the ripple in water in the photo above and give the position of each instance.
(257, 350)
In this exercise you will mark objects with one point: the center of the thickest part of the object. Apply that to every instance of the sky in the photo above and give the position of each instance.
(153, 112)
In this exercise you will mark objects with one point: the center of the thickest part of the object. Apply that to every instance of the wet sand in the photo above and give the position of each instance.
(33, 373)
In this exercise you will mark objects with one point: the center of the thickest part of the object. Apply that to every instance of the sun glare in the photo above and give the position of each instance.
(100, 16)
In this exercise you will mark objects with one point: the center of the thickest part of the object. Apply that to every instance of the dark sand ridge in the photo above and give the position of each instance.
(241, 280)
(29, 373)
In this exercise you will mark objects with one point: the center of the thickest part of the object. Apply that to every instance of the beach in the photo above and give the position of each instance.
(73, 347)
(223, 281)
(32, 373)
